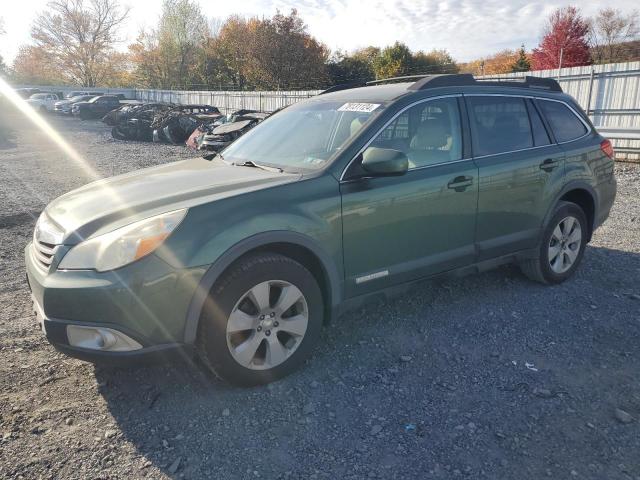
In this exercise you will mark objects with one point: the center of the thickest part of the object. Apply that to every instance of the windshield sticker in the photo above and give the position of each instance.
(359, 107)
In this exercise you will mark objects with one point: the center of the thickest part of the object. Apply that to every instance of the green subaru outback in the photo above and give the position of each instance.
(347, 194)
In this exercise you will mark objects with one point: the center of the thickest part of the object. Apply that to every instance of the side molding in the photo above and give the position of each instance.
(244, 246)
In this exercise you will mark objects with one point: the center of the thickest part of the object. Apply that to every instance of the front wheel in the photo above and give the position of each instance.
(261, 320)
(562, 246)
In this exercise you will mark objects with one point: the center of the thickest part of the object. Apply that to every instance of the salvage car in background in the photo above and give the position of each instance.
(82, 93)
(159, 122)
(213, 137)
(64, 107)
(96, 107)
(43, 101)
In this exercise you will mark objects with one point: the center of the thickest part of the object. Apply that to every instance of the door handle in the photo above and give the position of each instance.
(548, 165)
(460, 184)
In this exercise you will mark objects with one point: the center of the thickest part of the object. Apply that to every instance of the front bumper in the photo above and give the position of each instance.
(56, 332)
(147, 301)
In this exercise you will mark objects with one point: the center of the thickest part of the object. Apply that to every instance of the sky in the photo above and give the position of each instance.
(468, 29)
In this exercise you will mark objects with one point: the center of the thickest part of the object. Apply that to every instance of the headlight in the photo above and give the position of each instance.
(122, 246)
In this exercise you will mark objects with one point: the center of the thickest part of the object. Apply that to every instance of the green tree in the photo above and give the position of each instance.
(394, 61)
(436, 61)
(344, 68)
(285, 56)
(522, 63)
(171, 55)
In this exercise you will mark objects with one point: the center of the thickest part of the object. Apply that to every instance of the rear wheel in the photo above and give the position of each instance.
(562, 246)
(261, 320)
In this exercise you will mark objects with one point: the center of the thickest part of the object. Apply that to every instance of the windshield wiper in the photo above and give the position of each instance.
(249, 163)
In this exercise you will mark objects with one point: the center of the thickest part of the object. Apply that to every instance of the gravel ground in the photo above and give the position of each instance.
(490, 376)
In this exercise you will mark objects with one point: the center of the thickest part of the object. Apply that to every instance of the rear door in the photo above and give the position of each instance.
(521, 170)
(397, 229)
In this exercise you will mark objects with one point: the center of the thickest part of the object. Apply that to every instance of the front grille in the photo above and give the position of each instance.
(43, 253)
(47, 237)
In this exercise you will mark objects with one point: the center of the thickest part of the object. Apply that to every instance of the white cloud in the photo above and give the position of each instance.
(466, 28)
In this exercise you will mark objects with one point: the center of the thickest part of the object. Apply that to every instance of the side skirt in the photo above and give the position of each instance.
(399, 289)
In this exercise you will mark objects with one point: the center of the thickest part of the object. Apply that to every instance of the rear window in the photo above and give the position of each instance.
(565, 124)
(499, 125)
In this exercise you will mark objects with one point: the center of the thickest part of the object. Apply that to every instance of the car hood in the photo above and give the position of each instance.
(108, 204)
(63, 103)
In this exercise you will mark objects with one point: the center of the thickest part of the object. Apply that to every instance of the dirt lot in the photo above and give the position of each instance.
(490, 376)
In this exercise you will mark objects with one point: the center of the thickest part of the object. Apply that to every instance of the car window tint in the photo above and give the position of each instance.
(428, 133)
(540, 135)
(499, 124)
(564, 123)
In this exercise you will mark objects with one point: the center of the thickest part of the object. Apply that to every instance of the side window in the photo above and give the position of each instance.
(540, 135)
(499, 124)
(564, 123)
(428, 133)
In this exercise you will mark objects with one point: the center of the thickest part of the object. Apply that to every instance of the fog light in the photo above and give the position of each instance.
(100, 338)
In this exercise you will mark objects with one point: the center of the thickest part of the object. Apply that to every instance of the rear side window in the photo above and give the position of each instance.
(540, 135)
(499, 124)
(564, 123)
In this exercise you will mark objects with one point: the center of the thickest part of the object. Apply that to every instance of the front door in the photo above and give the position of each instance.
(397, 229)
(521, 170)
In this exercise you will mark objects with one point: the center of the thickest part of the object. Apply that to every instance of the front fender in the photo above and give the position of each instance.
(245, 246)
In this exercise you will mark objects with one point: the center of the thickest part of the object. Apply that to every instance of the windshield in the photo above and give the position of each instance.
(304, 136)
(39, 96)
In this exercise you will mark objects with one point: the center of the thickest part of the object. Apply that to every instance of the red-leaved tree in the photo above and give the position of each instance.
(566, 34)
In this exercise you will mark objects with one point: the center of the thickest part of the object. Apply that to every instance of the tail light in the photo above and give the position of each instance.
(607, 148)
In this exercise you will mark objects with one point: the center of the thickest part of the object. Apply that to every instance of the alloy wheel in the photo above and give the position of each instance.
(267, 324)
(564, 245)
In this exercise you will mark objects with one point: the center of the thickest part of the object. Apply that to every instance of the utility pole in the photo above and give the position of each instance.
(560, 63)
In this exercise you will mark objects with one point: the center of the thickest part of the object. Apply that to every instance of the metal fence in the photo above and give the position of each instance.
(129, 93)
(228, 101)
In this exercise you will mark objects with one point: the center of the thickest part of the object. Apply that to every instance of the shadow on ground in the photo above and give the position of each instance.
(490, 376)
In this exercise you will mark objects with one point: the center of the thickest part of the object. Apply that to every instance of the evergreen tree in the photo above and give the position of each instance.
(522, 63)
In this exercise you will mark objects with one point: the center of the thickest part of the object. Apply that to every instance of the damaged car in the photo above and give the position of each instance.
(159, 122)
(216, 136)
(63, 107)
(96, 107)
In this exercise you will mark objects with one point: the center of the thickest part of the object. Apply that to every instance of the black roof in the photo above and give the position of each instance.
(391, 88)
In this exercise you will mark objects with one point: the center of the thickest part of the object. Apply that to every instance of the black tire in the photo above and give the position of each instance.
(117, 134)
(539, 269)
(211, 342)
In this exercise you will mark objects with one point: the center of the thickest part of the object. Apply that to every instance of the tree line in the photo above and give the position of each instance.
(74, 42)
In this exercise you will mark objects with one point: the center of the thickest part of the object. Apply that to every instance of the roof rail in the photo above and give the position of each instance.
(424, 82)
(343, 86)
(466, 79)
(397, 79)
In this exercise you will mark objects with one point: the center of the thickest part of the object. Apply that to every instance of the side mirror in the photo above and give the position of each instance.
(384, 162)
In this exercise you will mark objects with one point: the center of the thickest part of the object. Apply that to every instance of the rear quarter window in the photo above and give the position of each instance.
(566, 126)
